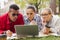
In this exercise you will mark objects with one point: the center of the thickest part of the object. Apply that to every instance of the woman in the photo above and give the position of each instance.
(32, 18)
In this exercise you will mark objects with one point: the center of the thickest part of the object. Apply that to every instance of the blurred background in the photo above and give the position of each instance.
(39, 4)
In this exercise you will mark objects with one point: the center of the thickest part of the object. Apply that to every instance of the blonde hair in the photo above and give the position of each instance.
(48, 9)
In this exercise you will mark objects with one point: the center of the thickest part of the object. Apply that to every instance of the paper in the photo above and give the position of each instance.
(12, 37)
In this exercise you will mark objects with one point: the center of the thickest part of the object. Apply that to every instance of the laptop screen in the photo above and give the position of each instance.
(26, 29)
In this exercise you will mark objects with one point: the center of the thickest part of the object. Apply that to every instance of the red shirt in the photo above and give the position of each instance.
(5, 24)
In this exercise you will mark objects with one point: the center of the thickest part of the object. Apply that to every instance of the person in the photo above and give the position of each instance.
(9, 19)
(31, 18)
(50, 21)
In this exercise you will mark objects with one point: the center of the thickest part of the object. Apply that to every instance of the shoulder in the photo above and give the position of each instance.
(25, 17)
(3, 17)
(20, 15)
(37, 16)
(56, 17)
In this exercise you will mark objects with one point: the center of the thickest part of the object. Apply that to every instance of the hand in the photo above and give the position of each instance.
(46, 31)
(8, 33)
(44, 22)
(33, 23)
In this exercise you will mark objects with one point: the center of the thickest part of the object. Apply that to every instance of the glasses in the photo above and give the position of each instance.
(29, 13)
(44, 14)
(15, 14)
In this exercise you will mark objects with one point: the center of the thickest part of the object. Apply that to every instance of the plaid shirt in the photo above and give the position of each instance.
(36, 18)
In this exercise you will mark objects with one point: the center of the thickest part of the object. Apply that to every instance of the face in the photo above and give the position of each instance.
(13, 14)
(46, 16)
(30, 14)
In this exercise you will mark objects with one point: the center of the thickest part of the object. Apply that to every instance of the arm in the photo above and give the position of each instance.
(47, 30)
(1, 27)
(39, 23)
(56, 27)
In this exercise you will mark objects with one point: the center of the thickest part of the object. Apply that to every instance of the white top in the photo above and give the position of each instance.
(55, 24)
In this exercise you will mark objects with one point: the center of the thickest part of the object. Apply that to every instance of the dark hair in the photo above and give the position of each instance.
(31, 7)
(14, 6)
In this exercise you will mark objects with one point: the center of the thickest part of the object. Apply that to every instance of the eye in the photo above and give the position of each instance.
(31, 13)
(27, 13)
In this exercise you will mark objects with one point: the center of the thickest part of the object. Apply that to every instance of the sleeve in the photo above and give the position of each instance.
(39, 23)
(25, 21)
(1, 27)
(56, 27)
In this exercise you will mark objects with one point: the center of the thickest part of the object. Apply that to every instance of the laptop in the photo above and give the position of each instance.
(24, 30)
